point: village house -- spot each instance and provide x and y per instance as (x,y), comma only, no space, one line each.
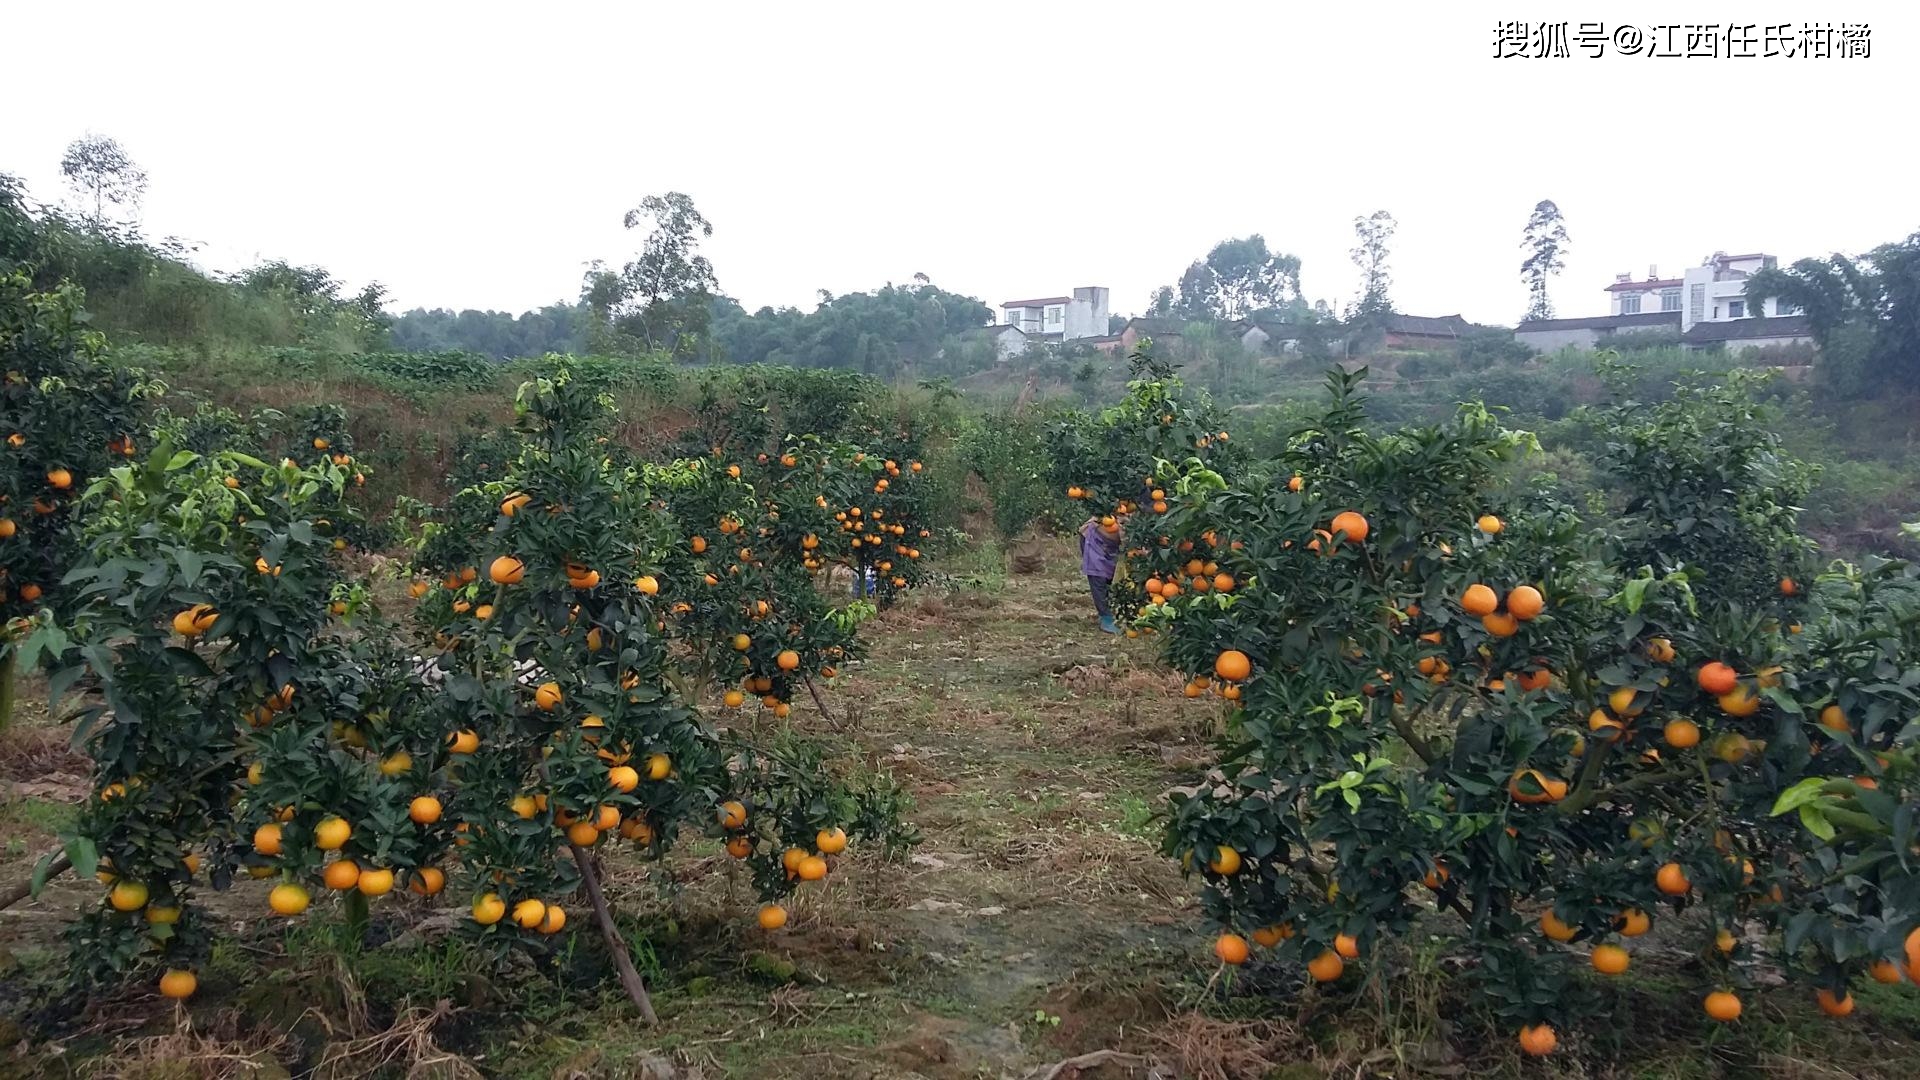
(1706,307)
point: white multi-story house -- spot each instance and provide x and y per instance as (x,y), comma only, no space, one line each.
(1714,291)
(1064,318)
(1706,305)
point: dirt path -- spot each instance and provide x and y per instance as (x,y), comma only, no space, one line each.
(1037,919)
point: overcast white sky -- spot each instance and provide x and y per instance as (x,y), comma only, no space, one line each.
(479,155)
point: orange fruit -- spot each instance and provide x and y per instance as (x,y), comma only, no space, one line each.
(507,570)
(1346,946)
(1225,861)
(1681,734)
(1740,701)
(1231,949)
(1489,524)
(830,841)
(424,810)
(463,742)
(1352,523)
(811,868)
(1525,603)
(1672,880)
(1787,588)
(740,846)
(1834,1006)
(659,766)
(178,984)
(1479,600)
(1538,1040)
(266,839)
(1722,1005)
(1633,922)
(341,874)
(1500,625)
(488,909)
(1270,936)
(288,899)
(529,914)
(1552,927)
(788,660)
(1609,959)
(772,917)
(1833,719)
(127,896)
(1232,665)
(60,478)
(1717,678)
(555,920)
(375,882)
(1326,967)
(1295,483)
(733,815)
(582,834)
(1660,650)
(331,833)
(1884,971)
(547,696)
(427,881)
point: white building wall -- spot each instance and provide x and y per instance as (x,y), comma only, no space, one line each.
(1555,340)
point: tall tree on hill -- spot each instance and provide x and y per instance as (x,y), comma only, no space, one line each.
(1250,278)
(662,296)
(1863,312)
(1199,292)
(1162,304)
(102,175)
(1375,233)
(1545,241)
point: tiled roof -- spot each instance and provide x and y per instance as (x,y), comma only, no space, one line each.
(1748,329)
(1430,325)
(1602,322)
(1643,286)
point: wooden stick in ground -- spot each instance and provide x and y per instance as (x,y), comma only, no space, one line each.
(818,703)
(13,894)
(622,962)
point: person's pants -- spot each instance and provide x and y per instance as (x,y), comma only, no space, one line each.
(1100,586)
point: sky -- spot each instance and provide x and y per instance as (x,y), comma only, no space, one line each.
(479,155)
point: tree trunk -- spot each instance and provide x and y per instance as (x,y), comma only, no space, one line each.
(9,668)
(622,961)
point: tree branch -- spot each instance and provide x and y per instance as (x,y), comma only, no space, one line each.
(15,893)
(622,962)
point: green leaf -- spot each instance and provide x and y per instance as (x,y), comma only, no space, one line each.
(1816,824)
(181,460)
(1800,794)
(83,855)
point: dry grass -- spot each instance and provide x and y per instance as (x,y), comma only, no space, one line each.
(1204,1048)
(223,1052)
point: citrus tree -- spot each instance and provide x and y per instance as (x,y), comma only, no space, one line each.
(66,414)
(1106,465)
(560,718)
(205,604)
(1449,693)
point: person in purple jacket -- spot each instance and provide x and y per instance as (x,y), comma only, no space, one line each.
(1099,553)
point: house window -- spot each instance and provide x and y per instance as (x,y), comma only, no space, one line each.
(1669,299)
(1736,309)
(1053,314)
(1630,304)
(1781,307)
(1697,302)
